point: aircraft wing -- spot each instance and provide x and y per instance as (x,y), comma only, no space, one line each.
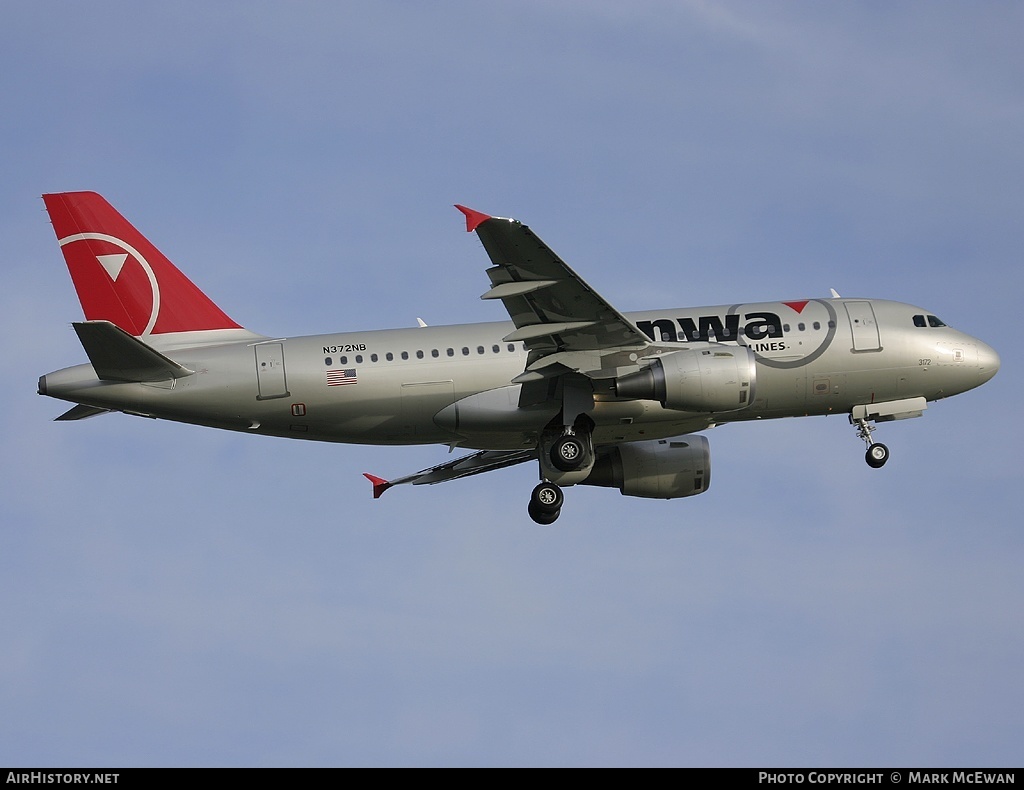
(465,466)
(553,309)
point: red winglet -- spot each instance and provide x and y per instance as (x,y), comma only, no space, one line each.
(380,485)
(473,218)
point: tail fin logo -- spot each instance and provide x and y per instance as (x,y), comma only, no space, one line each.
(121,277)
(113,264)
(132,291)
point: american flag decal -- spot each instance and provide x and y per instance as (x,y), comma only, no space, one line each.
(335,378)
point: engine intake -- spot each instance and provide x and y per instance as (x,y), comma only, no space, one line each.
(712,378)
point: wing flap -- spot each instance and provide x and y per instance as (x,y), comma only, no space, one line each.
(553,308)
(534,331)
(506,290)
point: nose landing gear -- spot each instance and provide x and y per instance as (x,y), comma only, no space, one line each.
(877,453)
(863,415)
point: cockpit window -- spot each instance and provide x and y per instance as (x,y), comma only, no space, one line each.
(919,320)
(933,321)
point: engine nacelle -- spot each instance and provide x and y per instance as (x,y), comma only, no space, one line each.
(710,378)
(660,469)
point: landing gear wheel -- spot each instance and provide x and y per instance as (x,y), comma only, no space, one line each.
(877,455)
(545,503)
(568,453)
(546,498)
(543,519)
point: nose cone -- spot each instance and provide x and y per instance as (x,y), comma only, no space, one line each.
(988,362)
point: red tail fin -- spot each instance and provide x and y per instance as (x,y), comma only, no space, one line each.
(120,276)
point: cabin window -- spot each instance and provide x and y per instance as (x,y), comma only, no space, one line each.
(465,351)
(479,349)
(451,352)
(405,355)
(511,347)
(327,361)
(389,356)
(435,353)
(801,327)
(816,325)
(785,327)
(373,357)
(359,358)
(419,355)
(495,349)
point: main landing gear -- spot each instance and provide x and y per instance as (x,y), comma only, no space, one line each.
(877,453)
(568,452)
(545,503)
(565,460)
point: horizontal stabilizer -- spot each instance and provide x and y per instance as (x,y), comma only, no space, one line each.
(80,412)
(117,356)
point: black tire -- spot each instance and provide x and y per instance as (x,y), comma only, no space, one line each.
(546,499)
(568,453)
(544,519)
(877,455)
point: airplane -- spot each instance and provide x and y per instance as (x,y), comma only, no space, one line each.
(592,395)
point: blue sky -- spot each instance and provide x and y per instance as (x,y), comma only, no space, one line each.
(179,596)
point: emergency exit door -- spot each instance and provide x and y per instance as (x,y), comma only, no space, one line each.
(270,374)
(864,326)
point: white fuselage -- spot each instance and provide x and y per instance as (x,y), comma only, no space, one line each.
(398,386)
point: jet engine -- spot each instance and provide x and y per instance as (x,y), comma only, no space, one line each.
(660,469)
(711,378)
